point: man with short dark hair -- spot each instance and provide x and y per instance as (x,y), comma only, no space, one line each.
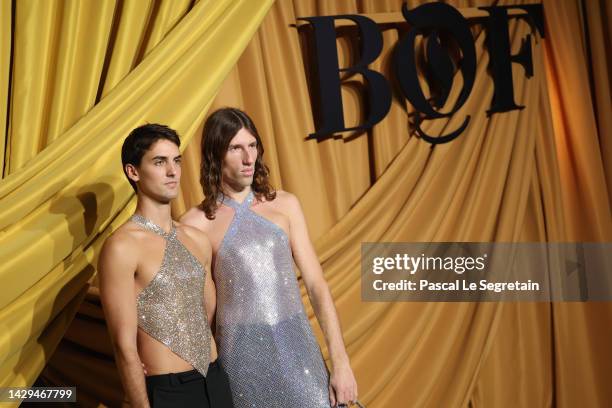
(156,289)
(265,340)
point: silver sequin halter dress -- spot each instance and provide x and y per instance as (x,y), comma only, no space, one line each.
(265,341)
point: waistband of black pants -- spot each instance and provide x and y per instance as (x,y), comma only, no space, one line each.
(179,378)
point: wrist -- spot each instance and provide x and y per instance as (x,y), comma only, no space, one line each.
(339,361)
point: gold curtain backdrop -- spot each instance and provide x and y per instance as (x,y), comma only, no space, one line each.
(77,76)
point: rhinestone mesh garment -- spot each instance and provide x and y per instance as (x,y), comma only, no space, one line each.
(265,341)
(171,307)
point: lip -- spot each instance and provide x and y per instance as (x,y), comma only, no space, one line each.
(248,172)
(172,183)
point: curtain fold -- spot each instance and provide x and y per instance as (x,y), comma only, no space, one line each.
(538,174)
(584,194)
(575,127)
(6,40)
(599,35)
(57,66)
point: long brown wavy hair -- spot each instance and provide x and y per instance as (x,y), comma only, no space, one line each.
(219,129)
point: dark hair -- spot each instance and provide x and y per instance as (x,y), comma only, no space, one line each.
(140,140)
(219,129)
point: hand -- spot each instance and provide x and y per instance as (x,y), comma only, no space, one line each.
(342,386)
(144,369)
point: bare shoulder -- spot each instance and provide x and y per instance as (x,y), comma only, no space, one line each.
(195,217)
(192,232)
(121,249)
(122,239)
(197,236)
(286,202)
(191,216)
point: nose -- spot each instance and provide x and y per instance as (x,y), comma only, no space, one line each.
(248,157)
(171,169)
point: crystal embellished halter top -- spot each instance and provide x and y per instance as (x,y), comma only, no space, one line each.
(171,307)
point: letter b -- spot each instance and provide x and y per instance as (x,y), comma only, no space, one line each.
(379,93)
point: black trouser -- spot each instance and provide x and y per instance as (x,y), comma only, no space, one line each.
(190,389)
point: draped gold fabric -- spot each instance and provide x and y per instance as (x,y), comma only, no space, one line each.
(599,39)
(539,174)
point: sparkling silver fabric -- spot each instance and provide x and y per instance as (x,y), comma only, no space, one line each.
(265,341)
(171,307)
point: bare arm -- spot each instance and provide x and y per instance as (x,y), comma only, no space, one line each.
(117,266)
(342,383)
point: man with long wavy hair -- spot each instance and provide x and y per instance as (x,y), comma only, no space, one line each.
(265,340)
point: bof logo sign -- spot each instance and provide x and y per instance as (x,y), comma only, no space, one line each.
(441,25)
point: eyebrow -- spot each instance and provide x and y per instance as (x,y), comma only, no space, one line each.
(180,156)
(240,144)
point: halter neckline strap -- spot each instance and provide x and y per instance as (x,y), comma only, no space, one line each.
(246,203)
(151,226)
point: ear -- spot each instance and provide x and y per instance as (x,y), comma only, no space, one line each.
(132,172)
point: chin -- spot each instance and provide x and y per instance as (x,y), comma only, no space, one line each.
(167,198)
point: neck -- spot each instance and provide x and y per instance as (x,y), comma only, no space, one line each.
(158,213)
(236,193)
